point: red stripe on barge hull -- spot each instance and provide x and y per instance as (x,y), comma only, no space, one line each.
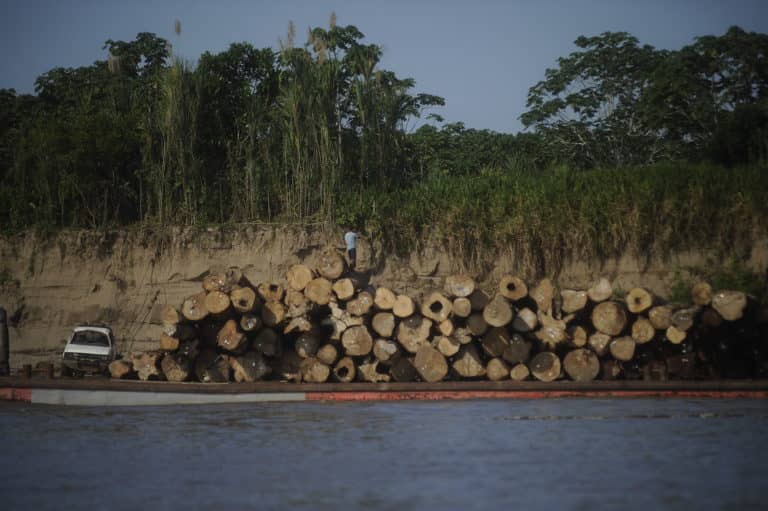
(511,394)
(12,394)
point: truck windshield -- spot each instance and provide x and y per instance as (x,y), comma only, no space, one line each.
(90,339)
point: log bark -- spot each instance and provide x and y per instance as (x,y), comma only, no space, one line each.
(272,313)
(581,365)
(730,304)
(512,288)
(319,291)
(497,370)
(477,324)
(623,348)
(384,299)
(250,322)
(267,342)
(609,318)
(119,369)
(146,365)
(600,291)
(230,337)
(642,330)
(383,323)
(330,265)
(661,316)
(430,364)
(498,312)
(361,304)
(386,350)
(436,307)
(545,366)
(403,306)
(357,341)
(675,335)
(344,371)
(412,333)
(194,308)
(369,371)
(298,276)
(314,371)
(344,289)
(525,321)
(518,351)
(495,341)
(519,372)
(403,370)
(448,346)
(701,293)
(459,286)
(478,300)
(176,367)
(168,343)
(300,324)
(327,354)
(461,307)
(307,344)
(639,300)
(599,343)
(578,336)
(543,294)
(573,300)
(552,331)
(249,368)
(243,299)
(210,367)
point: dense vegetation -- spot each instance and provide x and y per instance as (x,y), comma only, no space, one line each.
(627,145)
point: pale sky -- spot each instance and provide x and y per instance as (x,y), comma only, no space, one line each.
(482,56)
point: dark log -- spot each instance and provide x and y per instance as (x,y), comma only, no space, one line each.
(525,321)
(610,369)
(518,351)
(545,366)
(267,342)
(250,322)
(403,370)
(495,341)
(249,367)
(307,344)
(176,367)
(211,367)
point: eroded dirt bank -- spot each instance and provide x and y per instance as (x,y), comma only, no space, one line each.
(49,284)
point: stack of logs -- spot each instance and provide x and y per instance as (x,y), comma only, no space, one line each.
(324,324)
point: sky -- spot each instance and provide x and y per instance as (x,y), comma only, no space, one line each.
(482,56)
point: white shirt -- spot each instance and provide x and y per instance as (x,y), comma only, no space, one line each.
(349,239)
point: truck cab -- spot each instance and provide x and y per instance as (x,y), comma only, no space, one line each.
(89,349)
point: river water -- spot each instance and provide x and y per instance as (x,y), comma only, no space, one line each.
(517,454)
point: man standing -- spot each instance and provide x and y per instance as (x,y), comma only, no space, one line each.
(350,239)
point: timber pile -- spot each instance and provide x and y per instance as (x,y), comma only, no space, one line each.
(321,324)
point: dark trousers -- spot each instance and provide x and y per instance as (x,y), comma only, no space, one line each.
(351,254)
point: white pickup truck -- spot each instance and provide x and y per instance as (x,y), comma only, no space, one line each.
(89,349)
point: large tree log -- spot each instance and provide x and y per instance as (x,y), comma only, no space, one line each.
(298,276)
(519,372)
(267,342)
(314,371)
(543,294)
(639,300)
(461,307)
(448,346)
(384,299)
(623,348)
(642,330)
(217,303)
(498,312)
(467,363)
(357,341)
(730,304)
(369,371)
(661,316)
(600,291)
(146,365)
(701,293)
(581,365)
(495,341)
(430,364)
(120,368)
(210,367)
(327,354)
(412,333)
(478,300)
(249,367)
(230,337)
(525,321)
(599,343)
(243,299)
(573,300)
(497,370)
(403,306)
(512,288)
(189,348)
(344,370)
(518,351)
(386,350)
(330,264)
(168,343)
(194,308)
(361,304)
(176,367)
(609,318)
(436,307)
(477,324)
(250,322)
(403,370)
(461,285)
(344,289)
(545,366)
(552,331)
(319,291)
(307,344)
(272,313)
(383,323)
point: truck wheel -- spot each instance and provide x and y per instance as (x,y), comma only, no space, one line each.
(65,372)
